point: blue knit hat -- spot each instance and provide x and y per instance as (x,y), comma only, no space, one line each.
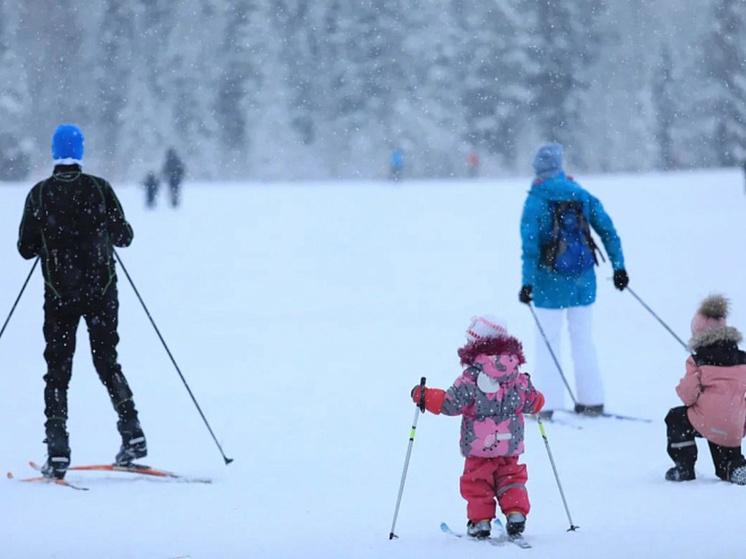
(67,144)
(548,161)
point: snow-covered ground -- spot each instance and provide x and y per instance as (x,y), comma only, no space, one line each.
(302,315)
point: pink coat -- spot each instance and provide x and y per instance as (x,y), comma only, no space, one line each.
(715,398)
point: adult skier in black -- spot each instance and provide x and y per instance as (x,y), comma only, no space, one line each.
(173,173)
(72,221)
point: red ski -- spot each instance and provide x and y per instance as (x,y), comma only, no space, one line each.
(140,469)
(42,479)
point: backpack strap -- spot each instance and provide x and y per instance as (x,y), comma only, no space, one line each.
(586,228)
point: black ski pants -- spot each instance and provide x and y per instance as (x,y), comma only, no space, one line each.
(61,319)
(682,446)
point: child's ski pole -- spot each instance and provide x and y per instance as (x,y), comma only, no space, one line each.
(420,409)
(572,527)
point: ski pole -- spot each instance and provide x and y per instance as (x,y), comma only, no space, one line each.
(656,317)
(551,351)
(214,438)
(420,409)
(23,288)
(572,527)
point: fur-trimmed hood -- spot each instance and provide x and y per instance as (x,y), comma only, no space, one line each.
(722,334)
(491,346)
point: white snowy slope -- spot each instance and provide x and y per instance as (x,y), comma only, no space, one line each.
(301,315)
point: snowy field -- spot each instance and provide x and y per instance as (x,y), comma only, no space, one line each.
(302,315)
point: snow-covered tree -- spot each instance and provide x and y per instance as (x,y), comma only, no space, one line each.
(299,22)
(726,63)
(365,78)
(564,46)
(496,60)
(146,130)
(328,88)
(114,70)
(60,84)
(428,111)
(15,143)
(238,78)
(666,110)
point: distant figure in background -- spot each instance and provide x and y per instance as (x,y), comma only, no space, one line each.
(72,221)
(173,173)
(559,256)
(712,391)
(397,164)
(151,184)
(472,163)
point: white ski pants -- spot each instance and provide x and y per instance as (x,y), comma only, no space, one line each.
(588,389)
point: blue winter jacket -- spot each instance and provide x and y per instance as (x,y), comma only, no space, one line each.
(551,289)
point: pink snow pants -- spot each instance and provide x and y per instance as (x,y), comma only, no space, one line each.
(485,479)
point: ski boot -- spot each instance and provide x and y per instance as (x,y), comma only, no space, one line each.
(516,523)
(680,472)
(480,529)
(590,411)
(738,475)
(134,445)
(58,450)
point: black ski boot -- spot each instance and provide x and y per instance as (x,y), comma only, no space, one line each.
(590,411)
(480,530)
(134,445)
(516,524)
(680,472)
(58,450)
(738,475)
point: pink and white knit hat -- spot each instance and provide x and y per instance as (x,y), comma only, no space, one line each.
(487,326)
(712,313)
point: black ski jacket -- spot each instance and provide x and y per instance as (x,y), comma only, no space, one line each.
(73,221)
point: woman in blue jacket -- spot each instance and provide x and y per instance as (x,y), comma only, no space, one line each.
(557,293)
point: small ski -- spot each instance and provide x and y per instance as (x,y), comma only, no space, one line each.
(493,540)
(501,539)
(42,479)
(626,417)
(519,540)
(609,415)
(133,468)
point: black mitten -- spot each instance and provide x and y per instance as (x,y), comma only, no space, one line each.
(525,296)
(621,279)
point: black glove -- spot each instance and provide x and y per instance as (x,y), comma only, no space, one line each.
(621,279)
(525,295)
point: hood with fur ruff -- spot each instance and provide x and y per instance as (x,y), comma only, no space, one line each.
(721,334)
(491,346)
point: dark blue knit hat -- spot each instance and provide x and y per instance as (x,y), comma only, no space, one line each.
(548,161)
(67,144)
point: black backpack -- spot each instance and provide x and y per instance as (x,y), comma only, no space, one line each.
(571,250)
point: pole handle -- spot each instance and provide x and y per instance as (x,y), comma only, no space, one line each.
(421,403)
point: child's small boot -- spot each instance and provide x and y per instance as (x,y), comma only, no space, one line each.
(480,529)
(738,475)
(516,523)
(681,472)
